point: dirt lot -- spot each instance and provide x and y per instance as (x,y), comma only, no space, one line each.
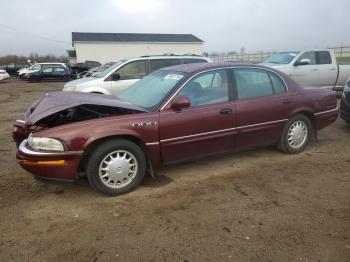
(260,205)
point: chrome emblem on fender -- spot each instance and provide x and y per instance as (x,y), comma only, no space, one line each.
(145,124)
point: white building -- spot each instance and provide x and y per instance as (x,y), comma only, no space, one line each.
(111,47)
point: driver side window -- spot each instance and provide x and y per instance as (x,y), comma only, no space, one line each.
(36,67)
(48,70)
(207,88)
(133,70)
(309,56)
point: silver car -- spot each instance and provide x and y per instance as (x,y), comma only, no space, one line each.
(124,73)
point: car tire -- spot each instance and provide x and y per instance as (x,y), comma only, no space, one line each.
(116,167)
(296,134)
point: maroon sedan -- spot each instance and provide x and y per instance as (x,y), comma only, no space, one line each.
(176,113)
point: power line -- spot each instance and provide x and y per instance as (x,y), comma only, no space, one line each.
(35,35)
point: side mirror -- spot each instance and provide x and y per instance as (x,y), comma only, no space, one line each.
(180,102)
(302,62)
(115,77)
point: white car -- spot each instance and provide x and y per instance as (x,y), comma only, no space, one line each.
(124,73)
(311,68)
(4,75)
(37,67)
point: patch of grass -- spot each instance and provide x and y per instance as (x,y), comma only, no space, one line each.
(343,59)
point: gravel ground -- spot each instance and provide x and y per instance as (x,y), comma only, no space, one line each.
(260,205)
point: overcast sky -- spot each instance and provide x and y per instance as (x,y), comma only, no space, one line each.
(45,26)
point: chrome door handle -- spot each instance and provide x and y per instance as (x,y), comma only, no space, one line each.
(332,69)
(315,69)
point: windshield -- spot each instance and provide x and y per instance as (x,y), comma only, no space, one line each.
(281,58)
(151,90)
(109,69)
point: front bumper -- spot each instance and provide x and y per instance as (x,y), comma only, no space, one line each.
(4,76)
(58,166)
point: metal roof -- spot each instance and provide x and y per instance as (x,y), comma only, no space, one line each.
(126,37)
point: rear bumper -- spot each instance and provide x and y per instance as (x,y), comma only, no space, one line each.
(57,166)
(325,118)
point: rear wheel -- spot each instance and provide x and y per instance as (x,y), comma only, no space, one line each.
(116,167)
(296,134)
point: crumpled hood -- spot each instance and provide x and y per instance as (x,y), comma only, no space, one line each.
(55,102)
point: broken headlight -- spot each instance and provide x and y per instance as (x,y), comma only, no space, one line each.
(45,143)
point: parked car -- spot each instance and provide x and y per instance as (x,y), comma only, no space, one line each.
(126,72)
(12,68)
(83,67)
(173,114)
(4,75)
(93,71)
(316,68)
(37,67)
(50,73)
(345,103)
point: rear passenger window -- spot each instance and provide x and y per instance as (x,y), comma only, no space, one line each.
(194,60)
(278,84)
(161,63)
(323,57)
(59,69)
(252,83)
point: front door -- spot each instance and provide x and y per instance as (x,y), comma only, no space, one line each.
(207,126)
(306,75)
(47,73)
(129,74)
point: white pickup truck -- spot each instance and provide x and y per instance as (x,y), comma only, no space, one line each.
(317,68)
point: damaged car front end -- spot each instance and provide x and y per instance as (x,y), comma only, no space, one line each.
(50,153)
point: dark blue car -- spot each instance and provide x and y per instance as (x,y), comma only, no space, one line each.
(50,73)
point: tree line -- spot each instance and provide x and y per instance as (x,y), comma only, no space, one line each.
(33,57)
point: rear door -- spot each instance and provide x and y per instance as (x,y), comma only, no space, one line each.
(207,126)
(263,106)
(59,72)
(327,71)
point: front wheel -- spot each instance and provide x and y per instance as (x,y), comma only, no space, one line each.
(296,134)
(116,167)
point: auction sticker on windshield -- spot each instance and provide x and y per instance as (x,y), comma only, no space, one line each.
(173,76)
